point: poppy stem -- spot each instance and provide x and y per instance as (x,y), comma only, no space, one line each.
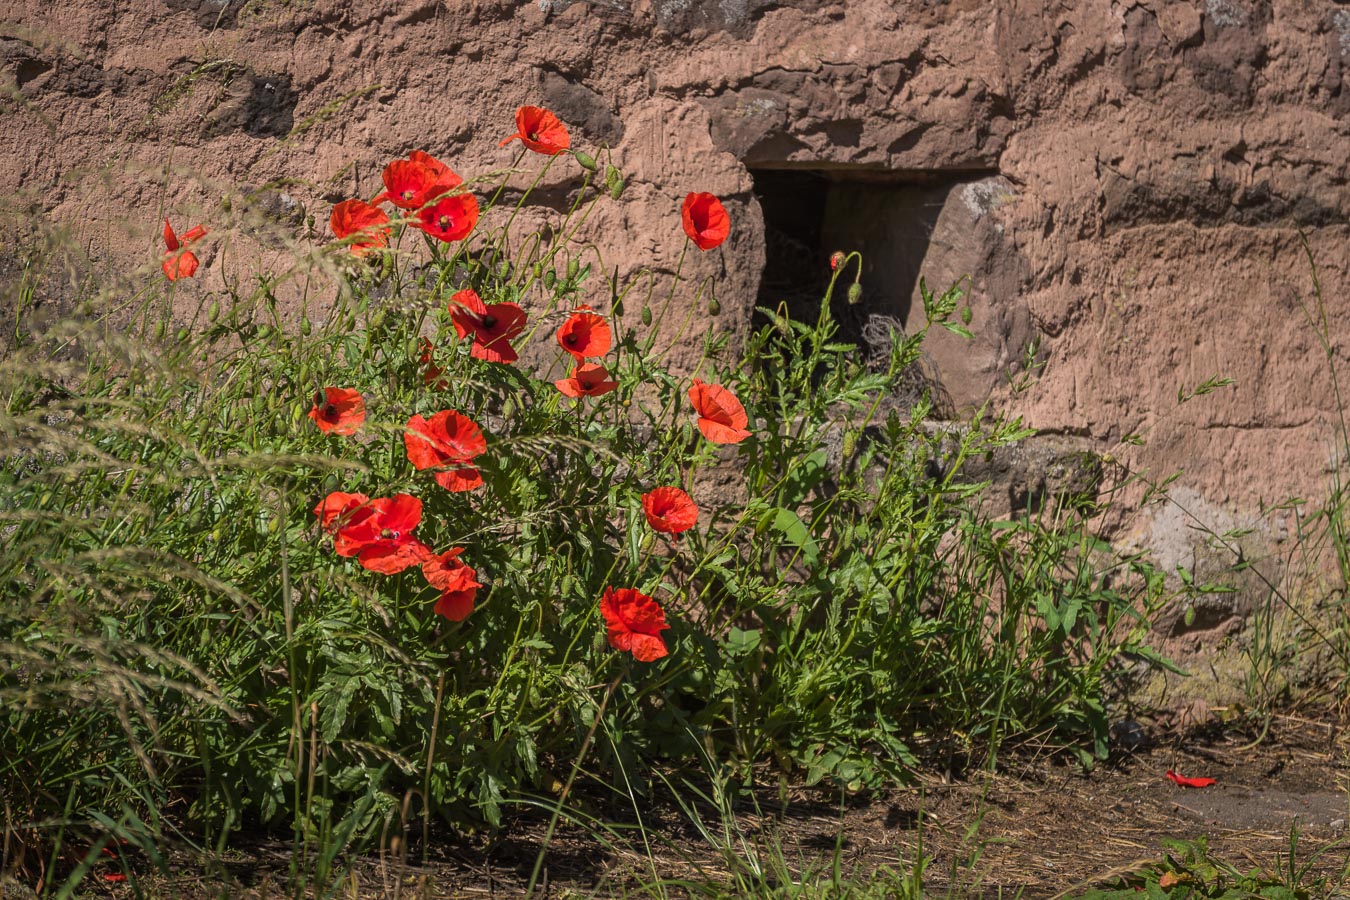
(660,317)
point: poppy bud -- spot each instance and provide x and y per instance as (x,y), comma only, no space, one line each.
(213,312)
(836,259)
(616,189)
(586,161)
(538,271)
(305,327)
(225,204)
(264,332)
(714,308)
(217,533)
(646,315)
(850,444)
(573,267)
(182,335)
(611,175)
(965,315)
(161,329)
(550,279)
(508,408)
(854,294)
(378,319)
(330,483)
(273,525)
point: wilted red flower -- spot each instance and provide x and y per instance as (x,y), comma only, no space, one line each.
(431,373)
(1183,781)
(721,417)
(540,131)
(357,217)
(588,380)
(669,510)
(413,182)
(584,334)
(456,582)
(448,441)
(634,622)
(450,218)
(492,325)
(339,410)
(705,220)
(180,262)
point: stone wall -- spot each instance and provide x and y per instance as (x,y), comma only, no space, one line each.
(1124,180)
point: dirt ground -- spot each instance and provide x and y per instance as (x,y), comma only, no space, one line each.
(1041,826)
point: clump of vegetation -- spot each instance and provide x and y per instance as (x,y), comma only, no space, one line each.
(349,572)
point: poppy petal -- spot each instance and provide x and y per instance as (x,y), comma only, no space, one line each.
(1183,781)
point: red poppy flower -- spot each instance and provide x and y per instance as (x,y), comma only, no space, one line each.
(1190,782)
(492,325)
(339,509)
(836,259)
(584,334)
(669,510)
(180,262)
(381,539)
(431,373)
(540,131)
(357,217)
(721,417)
(338,410)
(456,582)
(634,622)
(588,380)
(449,218)
(448,441)
(115,876)
(705,220)
(413,182)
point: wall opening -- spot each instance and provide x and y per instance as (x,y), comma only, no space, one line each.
(890,217)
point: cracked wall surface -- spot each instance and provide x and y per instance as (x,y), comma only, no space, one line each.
(1133,176)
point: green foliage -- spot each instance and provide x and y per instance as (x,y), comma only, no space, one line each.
(1189,871)
(175,619)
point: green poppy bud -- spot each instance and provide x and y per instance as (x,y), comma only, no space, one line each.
(273,525)
(646,315)
(854,294)
(213,312)
(160,330)
(508,408)
(538,271)
(305,327)
(183,335)
(550,279)
(616,189)
(586,161)
(264,332)
(850,444)
(714,307)
(966,315)
(573,267)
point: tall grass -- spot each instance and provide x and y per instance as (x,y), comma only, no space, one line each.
(182,653)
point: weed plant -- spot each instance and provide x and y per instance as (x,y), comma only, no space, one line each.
(183,654)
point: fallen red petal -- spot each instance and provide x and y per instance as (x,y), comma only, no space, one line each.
(1190,782)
